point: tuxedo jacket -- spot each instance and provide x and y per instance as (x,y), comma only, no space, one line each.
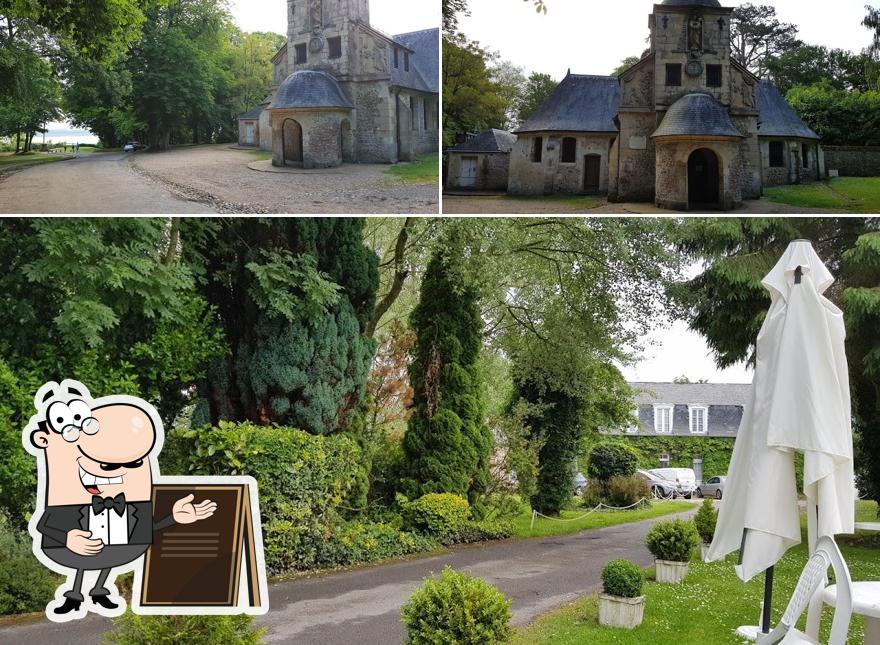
(57,521)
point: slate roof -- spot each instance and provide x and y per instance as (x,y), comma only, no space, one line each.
(697,114)
(253,115)
(691,393)
(578,104)
(691,3)
(488,141)
(424,73)
(777,118)
(310,89)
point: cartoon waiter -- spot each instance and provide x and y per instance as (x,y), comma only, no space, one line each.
(95,464)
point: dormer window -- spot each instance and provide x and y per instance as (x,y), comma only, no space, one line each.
(699,419)
(663,419)
(634,423)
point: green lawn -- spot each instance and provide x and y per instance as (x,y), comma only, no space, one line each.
(424,170)
(600,519)
(708,606)
(9,159)
(849,194)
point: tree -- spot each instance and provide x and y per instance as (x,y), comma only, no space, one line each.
(813,65)
(249,63)
(451,9)
(33,96)
(838,116)
(625,64)
(756,35)
(294,297)
(538,88)
(509,81)
(447,444)
(727,304)
(872,22)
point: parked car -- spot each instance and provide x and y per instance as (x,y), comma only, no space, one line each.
(660,487)
(684,479)
(128,147)
(580,483)
(712,488)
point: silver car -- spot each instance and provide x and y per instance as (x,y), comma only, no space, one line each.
(660,487)
(712,488)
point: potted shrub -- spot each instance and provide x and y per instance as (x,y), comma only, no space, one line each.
(704,522)
(621,603)
(672,544)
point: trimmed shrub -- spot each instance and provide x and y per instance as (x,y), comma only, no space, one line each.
(672,540)
(480,531)
(705,521)
(619,492)
(25,584)
(357,542)
(443,515)
(623,579)
(131,629)
(457,609)
(610,459)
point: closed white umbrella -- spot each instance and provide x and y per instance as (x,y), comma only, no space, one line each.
(799,402)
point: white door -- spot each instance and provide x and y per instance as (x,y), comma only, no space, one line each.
(468,175)
(249,134)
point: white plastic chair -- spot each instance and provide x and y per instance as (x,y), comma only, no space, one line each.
(808,593)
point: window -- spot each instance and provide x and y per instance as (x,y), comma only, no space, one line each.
(335,47)
(414,113)
(673,75)
(777,154)
(664,460)
(406,61)
(634,424)
(301,54)
(569,150)
(713,75)
(396,58)
(538,149)
(427,113)
(663,419)
(699,419)
(805,155)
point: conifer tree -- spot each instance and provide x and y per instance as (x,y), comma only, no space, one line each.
(447,444)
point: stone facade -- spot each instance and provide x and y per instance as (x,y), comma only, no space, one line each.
(853,161)
(383,106)
(492,170)
(553,174)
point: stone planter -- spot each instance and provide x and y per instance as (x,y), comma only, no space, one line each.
(626,613)
(704,551)
(671,572)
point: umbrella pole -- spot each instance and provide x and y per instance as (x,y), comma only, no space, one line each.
(768,600)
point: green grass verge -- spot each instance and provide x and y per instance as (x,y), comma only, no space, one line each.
(424,170)
(710,604)
(848,194)
(10,160)
(600,519)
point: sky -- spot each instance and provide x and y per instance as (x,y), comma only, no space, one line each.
(389,16)
(592,37)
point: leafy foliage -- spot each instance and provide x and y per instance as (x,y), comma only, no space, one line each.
(447,444)
(618,492)
(840,117)
(439,514)
(538,88)
(623,579)
(609,460)
(756,35)
(457,608)
(25,584)
(131,629)
(672,540)
(705,520)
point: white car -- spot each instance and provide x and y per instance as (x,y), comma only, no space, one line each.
(129,147)
(660,487)
(684,479)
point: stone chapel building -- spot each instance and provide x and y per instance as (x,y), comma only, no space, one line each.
(344,92)
(685,127)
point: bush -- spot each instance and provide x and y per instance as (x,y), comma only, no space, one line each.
(609,460)
(705,521)
(482,530)
(623,579)
(457,609)
(357,542)
(25,584)
(131,629)
(672,540)
(619,492)
(442,515)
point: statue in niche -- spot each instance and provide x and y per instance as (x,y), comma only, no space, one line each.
(695,33)
(316,16)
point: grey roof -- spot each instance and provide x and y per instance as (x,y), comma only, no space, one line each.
(253,115)
(691,393)
(578,104)
(310,89)
(777,118)
(424,70)
(691,3)
(488,141)
(697,114)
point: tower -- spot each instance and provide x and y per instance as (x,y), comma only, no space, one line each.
(321,34)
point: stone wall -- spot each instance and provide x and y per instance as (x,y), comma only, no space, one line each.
(376,121)
(853,161)
(243,126)
(413,118)
(793,171)
(749,164)
(493,170)
(321,131)
(672,173)
(551,175)
(266,130)
(635,164)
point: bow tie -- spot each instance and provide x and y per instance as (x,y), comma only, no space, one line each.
(100,504)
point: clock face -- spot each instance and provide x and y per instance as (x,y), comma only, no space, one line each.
(694,68)
(316,44)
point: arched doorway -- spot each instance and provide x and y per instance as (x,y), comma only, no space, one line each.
(346,142)
(292,134)
(703,178)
